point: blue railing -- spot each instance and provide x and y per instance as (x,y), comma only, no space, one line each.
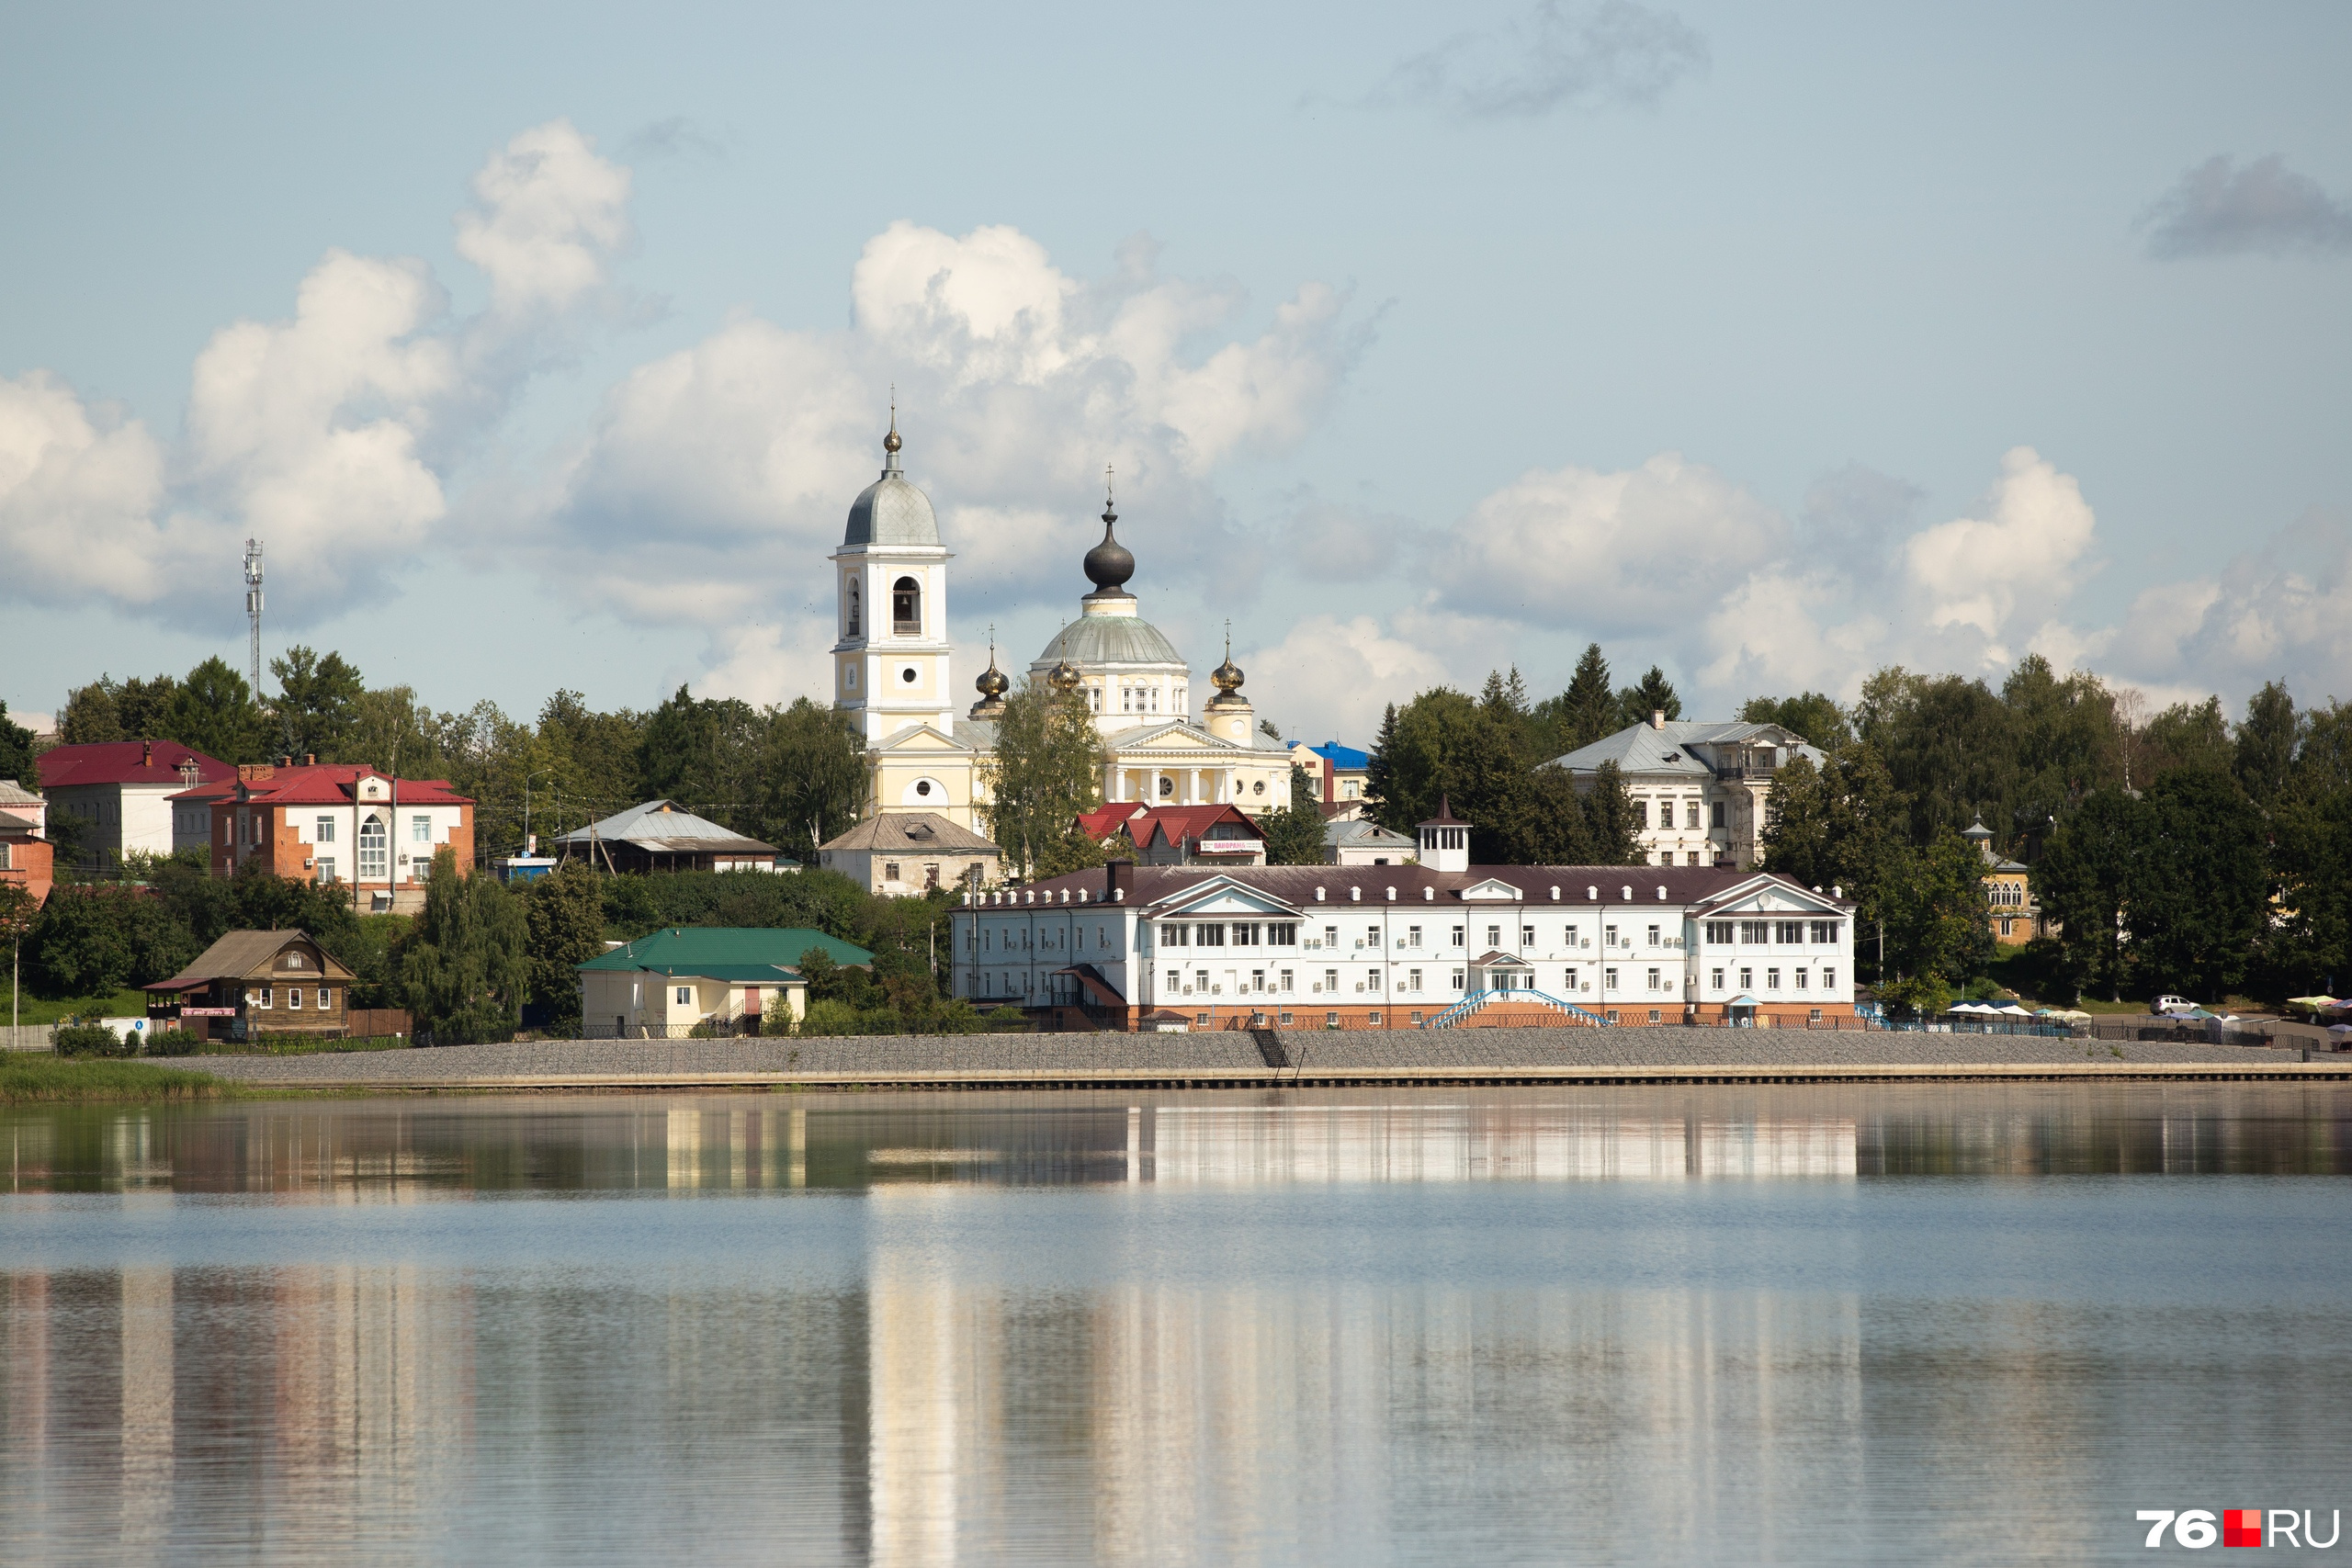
(1478,999)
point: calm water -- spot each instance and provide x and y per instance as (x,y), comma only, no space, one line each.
(1866,1326)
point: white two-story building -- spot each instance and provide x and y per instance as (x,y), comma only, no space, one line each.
(1398,947)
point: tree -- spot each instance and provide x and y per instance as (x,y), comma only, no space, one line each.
(1294,835)
(17,751)
(816,775)
(1379,780)
(1045,770)
(2188,735)
(2084,881)
(2198,893)
(705,753)
(17,913)
(1443,746)
(2264,761)
(1654,694)
(1937,937)
(215,713)
(318,703)
(1587,711)
(466,969)
(2064,737)
(564,912)
(107,709)
(1813,717)
(95,941)
(1838,825)
(592,759)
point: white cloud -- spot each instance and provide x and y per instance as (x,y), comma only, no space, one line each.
(1620,552)
(1331,677)
(2029,548)
(1016,384)
(1558,56)
(327,434)
(2273,613)
(78,500)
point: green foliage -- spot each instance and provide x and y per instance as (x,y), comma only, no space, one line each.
(1583,714)
(214,712)
(1294,835)
(170,1043)
(465,963)
(815,764)
(565,914)
(592,759)
(96,941)
(107,709)
(1047,768)
(1934,907)
(318,703)
(1813,716)
(17,751)
(1655,694)
(2084,881)
(83,1039)
(2188,736)
(1476,756)
(2264,755)
(31,1079)
(832,1018)
(1840,825)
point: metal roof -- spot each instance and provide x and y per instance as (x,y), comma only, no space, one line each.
(1666,749)
(662,825)
(890,511)
(1110,639)
(915,832)
(704,950)
(240,956)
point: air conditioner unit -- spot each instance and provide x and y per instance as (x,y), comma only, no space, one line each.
(1188,990)
(1316,988)
(308,865)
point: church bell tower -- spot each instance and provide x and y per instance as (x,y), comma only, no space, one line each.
(891,656)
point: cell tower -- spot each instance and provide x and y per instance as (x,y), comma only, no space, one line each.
(253,608)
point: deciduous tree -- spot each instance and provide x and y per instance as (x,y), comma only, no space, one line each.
(1045,770)
(466,968)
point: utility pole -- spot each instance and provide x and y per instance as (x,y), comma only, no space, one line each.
(253,610)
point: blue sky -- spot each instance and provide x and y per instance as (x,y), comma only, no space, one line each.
(548,348)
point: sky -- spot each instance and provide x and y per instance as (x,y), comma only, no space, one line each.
(546,346)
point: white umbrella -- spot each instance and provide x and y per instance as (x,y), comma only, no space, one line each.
(2011,1009)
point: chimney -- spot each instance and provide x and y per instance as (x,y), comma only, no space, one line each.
(1658,719)
(147,755)
(310,759)
(285,762)
(1115,874)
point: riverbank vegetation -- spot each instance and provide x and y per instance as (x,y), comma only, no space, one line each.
(28,1078)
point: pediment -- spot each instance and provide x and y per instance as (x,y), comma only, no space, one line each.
(1491,891)
(1224,897)
(918,738)
(1165,738)
(1770,895)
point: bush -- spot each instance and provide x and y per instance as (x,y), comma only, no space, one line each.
(171,1043)
(832,1018)
(93,1040)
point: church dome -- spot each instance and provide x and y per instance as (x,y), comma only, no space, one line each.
(1110,563)
(890,510)
(1094,640)
(1227,677)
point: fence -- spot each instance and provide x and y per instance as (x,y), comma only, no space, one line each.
(2180,1032)
(376,1023)
(26,1036)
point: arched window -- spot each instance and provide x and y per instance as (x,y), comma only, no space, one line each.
(854,617)
(374,863)
(906,607)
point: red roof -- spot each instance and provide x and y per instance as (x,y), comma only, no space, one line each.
(1171,825)
(321,784)
(125,762)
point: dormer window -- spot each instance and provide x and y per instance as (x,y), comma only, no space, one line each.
(906,607)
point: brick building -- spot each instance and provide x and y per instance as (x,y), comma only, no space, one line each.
(340,824)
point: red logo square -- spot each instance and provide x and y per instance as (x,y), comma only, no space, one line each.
(2241,1527)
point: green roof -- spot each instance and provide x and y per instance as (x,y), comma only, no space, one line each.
(726,952)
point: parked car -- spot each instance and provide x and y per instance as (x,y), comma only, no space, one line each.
(2164,1007)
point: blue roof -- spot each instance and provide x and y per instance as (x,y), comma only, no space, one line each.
(1342,757)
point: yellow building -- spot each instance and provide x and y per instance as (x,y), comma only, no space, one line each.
(2014,913)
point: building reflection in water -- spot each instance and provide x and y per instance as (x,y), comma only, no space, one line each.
(885,1375)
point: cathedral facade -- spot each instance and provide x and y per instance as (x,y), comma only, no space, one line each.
(893,675)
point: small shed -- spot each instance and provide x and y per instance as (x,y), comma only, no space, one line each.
(254,983)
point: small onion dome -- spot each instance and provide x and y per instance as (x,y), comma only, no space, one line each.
(1110,563)
(992,681)
(1227,677)
(1063,677)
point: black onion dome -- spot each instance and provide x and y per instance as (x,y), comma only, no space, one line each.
(1110,563)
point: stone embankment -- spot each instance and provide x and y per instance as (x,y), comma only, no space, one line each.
(1235,1059)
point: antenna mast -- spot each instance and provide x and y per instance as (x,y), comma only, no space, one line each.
(253,609)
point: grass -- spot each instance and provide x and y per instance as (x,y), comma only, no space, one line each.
(32,1079)
(299,1045)
(36,1009)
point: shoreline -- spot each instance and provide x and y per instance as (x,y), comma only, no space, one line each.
(1236,1060)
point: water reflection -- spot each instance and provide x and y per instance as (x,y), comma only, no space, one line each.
(364,1151)
(1705,1326)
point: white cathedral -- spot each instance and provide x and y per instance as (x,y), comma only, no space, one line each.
(892,673)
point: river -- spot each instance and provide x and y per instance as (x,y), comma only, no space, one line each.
(1816,1325)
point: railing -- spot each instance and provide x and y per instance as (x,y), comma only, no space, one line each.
(1477,1000)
